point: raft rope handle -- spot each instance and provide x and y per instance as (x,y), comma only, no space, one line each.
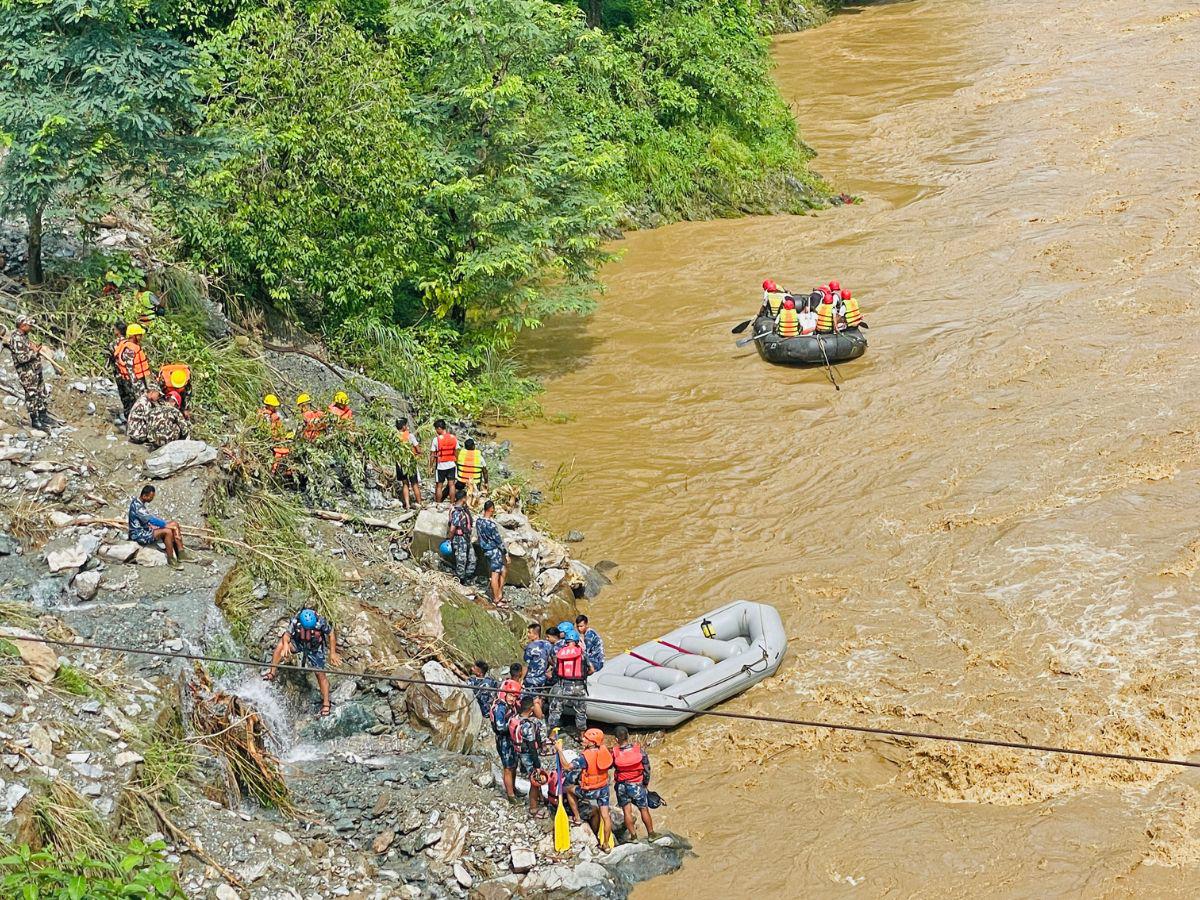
(629,704)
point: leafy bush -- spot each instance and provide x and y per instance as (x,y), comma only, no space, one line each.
(136,870)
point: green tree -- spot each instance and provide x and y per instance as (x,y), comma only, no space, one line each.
(521,183)
(91,98)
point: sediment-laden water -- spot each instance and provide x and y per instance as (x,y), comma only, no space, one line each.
(992,527)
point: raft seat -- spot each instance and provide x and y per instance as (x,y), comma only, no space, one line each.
(685,662)
(715,649)
(663,676)
(628,683)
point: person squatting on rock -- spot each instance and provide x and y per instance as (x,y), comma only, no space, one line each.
(593,766)
(569,679)
(632,766)
(491,542)
(148,530)
(154,421)
(461,525)
(27,360)
(309,635)
(531,741)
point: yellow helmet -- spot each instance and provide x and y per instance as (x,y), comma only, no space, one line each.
(303,398)
(135,328)
(270,400)
(179,378)
(341,397)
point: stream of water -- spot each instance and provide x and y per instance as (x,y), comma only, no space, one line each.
(991,528)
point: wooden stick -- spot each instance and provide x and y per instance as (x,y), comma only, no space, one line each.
(330,515)
(193,847)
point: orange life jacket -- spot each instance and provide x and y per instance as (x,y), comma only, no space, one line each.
(447,447)
(406,440)
(141,365)
(628,761)
(470,466)
(341,412)
(595,774)
(789,323)
(313,424)
(568,662)
(826,317)
(271,416)
(165,373)
(851,311)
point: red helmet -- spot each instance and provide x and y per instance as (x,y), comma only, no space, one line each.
(834,286)
(827,292)
(846,294)
(789,303)
(769,286)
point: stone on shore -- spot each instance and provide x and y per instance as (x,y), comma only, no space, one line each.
(42,659)
(450,713)
(122,552)
(430,529)
(86,584)
(178,455)
(150,557)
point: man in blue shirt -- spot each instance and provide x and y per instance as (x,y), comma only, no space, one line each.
(538,653)
(310,635)
(593,644)
(486,695)
(148,530)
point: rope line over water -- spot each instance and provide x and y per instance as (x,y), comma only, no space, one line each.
(629,704)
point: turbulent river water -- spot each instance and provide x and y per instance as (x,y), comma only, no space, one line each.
(991,529)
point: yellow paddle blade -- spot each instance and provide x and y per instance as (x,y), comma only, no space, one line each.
(562,829)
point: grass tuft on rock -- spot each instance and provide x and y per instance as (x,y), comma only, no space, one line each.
(474,634)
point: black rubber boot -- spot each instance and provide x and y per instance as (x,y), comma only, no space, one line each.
(35,420)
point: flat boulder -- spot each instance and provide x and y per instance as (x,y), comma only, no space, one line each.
(150,557)
(521,565)
(430,529)
(178,455)
(120,552)
(67,558)
(42,659)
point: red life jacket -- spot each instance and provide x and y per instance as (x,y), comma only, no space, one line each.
(447,448)
(628,761)
(595,775)
(514,732)
(568,662)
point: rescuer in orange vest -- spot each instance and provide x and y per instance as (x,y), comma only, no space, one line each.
(443,460)
(787,323)
(593,765)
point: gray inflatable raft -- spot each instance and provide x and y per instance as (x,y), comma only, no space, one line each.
(807,349)
(683,671)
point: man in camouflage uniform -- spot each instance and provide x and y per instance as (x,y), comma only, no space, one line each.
(27,358)
(154,422)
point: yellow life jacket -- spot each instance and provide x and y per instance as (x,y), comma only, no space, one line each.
(789,323)
(470,466)
(852,313)
(826,317)
(774,301)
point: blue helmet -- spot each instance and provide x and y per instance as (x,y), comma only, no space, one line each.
(564,627)
(570,632)
(308,618)
(446,549)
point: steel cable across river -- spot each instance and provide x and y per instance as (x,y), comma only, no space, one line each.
(991,526)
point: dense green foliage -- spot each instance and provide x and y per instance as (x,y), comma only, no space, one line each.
(416,180)
(90,93)
(135,871)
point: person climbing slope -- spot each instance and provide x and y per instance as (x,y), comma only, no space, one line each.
(312,637)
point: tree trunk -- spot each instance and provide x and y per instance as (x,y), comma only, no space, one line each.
(33,270)
(593,13)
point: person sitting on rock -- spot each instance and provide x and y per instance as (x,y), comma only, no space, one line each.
(502,711)
(148,530)
(593,644)
(593,766)
(538,653)
(633,781)
(153,421)
(309,635)
(485,685)
(491,542)
(530,740)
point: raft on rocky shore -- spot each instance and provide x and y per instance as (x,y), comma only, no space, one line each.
(807,349)
(666,681)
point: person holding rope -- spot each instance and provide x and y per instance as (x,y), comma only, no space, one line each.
(311,636)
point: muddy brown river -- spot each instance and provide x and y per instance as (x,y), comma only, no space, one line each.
(992,528)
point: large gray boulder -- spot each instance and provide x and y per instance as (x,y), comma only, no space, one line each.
(178,455)
(450,713)
(430,529)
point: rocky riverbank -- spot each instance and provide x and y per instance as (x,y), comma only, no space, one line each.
(394,793)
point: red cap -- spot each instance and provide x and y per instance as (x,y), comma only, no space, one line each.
(834,286)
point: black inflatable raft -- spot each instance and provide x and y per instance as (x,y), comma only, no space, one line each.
(807,349)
